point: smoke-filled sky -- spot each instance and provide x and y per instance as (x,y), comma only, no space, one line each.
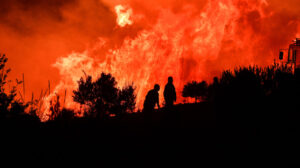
(34,33)
(190,40)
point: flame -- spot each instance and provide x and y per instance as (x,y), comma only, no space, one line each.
(193,44)
(71,69)
(123,15)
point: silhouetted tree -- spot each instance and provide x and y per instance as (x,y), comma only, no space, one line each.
(127,99)
(103,97)
(195,90)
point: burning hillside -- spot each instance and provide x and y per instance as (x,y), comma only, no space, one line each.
(145,42)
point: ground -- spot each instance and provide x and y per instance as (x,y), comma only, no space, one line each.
(187,134)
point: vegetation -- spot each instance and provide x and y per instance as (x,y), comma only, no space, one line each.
(256,97)
(195,90)
(103,98)
(9,105)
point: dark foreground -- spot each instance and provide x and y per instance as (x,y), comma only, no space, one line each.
(188,134)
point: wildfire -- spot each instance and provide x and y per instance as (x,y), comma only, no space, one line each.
(123,15)
(193,44)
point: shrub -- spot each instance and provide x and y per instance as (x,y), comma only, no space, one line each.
(103,97)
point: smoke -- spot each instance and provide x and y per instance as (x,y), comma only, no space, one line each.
(189,40)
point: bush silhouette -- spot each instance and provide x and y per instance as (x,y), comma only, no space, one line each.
(127,99)
(195,90)
(253,95)
(103,98)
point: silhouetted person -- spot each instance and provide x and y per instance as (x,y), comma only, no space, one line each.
(152,99)
(170,93)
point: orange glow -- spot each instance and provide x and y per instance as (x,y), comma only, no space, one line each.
(142,42)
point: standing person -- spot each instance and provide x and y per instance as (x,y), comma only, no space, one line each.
(152,99)
(170,93)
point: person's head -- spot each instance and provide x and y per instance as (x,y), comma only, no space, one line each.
(170,79)
(156,87)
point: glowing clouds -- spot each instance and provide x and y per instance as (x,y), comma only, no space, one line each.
(123,15)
